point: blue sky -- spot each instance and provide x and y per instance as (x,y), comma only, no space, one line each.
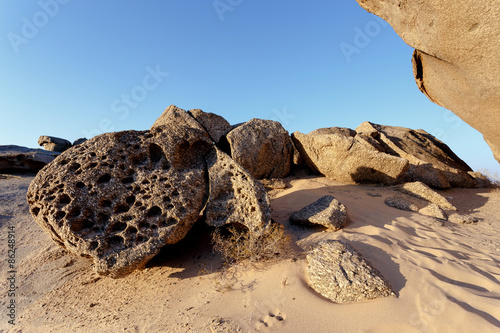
(79,68)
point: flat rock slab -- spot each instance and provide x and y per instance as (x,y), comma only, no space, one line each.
(22,159)
(340,273)
(422,191)
(401,202)
(119,197)
(326,211)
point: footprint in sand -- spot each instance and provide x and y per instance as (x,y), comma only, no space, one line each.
(272,319)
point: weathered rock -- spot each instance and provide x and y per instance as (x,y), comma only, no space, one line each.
(52,143)
(326,211)
(433,210)
(119,197)
(462,218)
(480,179)
(235,196)
(340,273)
(455,63)
(263,147)
(22,159)
(175,115)
(215,125)
(348,159)
(79,141)
(431,161)
(401,202)
(422,191)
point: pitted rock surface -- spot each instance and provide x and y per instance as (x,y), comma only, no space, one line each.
(215,125)
(340,273)
(235,196)
(119,197)
(263,147)
(326,211)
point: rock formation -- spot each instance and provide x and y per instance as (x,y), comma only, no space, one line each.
(433,210)
(341,155)
(118,198)
(401,202)
(235,197)
(340,273)
(326,211)
(263,147)
(22,159)
(431,161)
(51,143)
(455,62)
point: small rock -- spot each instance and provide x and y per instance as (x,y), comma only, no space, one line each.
(23,159)
(433,210)
(79,141)
(374,195)
(326,211)
(462,218)
(52,143)
(400,202)
(340,273)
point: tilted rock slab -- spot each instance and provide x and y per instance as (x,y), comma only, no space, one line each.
(326,211)
(433,210)
(235,196)
(401,202)
(431,161)
(263,147)
(340,156)
(340,273)
(422,191)
(119,197)
(455,63)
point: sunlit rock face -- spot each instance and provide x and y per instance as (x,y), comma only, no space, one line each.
(455,62)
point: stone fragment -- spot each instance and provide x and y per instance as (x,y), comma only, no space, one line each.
(215,125)
(340,156)
(433,210)
(422,191)
(431,161)
(274,183)
(52,143)
(340,273)
(481,180)
(235,196)
(455,63)
(175,115)
(462,218)
(22,159)
(401,202)
(326,211)
(263,147)
(119,197)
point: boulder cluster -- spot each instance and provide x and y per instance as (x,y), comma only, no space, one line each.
(120,197)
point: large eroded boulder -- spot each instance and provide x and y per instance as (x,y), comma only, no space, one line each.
(431,161)
(455,63)
(22,159)
(340,273)
(342,155)
(119,197)
(235,196)
(263,147)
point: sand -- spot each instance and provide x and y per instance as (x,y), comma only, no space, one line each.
(446,276)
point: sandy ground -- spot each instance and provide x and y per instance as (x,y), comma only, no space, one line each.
(446,276)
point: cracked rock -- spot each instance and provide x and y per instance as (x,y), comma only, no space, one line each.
(326,211)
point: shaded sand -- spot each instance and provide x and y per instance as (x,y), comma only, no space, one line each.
(446,276)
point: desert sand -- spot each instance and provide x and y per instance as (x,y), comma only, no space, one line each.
(446,276)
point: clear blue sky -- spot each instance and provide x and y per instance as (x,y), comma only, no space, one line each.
(78,68)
